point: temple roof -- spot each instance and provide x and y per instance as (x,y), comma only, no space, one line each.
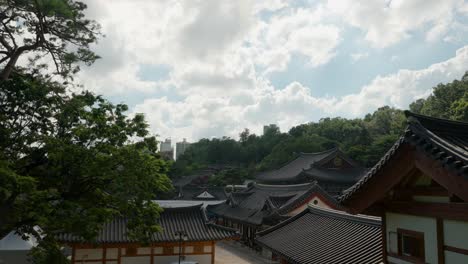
(261,201)
(319,235)
(316,167)
(201,193)
(295,167)
(443,140)
(190,219)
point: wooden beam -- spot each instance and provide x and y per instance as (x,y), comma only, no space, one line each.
(424,191)
(451,211)
(440,241)
(399,166)
(453,182)
(457,250)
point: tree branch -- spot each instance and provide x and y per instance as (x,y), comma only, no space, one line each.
(10,34)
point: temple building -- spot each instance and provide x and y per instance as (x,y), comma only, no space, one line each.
(186,235)
(323,236)
(331,169)
(193,193)
(261,206)
(420,190)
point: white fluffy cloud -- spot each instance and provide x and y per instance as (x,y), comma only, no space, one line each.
(388,22)
(220,56)
(197,116)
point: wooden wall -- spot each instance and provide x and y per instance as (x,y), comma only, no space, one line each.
(132,253)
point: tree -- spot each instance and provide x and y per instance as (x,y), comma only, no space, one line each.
(446,100)
(57,28)
(67,164)
(459,108)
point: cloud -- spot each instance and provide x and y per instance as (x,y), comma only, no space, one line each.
(359,56)
(403,87)
(300,31)
(199,116)
(222,54)
(388,22)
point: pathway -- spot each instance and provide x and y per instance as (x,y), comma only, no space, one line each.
(231,252)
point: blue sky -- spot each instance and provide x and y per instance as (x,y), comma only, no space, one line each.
(212,68)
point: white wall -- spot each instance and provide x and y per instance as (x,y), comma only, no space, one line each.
(202,259)
(136,260)
(455,235)
(86,254)
(426,225)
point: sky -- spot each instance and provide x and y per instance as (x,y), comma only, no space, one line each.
(203,69)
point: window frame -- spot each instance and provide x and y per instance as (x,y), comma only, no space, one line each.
(415,234)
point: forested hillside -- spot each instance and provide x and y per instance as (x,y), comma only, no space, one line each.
(364,139)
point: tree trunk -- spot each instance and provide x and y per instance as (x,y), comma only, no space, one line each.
(10,66)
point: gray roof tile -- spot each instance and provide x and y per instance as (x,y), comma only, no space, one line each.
(320,235)
(190,219)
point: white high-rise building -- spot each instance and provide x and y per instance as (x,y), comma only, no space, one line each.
(181,147)
(166,149)
(166,145)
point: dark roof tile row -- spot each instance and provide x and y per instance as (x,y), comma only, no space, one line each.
(325,236)
(190,219)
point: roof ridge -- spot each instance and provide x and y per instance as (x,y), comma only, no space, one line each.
(364,219)
(281,224)
(183,208)
(412,117)
(299,156)
(320,152)
(283,185)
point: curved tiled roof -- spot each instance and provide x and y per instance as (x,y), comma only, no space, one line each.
(261,201)
(443,140)
(325,236)
(190,219)
(345,176)
(295,167)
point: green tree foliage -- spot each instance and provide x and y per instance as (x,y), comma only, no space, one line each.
(67,164)
(229,176)
(448,101)
(57,28)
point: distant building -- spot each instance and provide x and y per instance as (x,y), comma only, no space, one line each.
(261,206)
(181,147)
(331,169)
(185,235)
(166,149)
(14,249)
(270,127)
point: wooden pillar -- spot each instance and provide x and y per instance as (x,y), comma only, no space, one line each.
(440,241)
(152,255)
(384,238)
(213,246)
(119,255)
(73,254)
(104,253)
